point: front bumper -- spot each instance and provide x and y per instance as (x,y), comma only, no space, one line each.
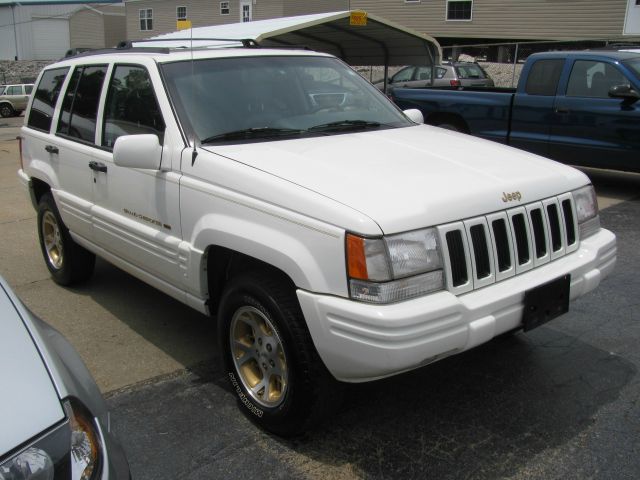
(361,342)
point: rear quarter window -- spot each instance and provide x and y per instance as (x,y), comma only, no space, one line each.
(544,76)
(470,71)
(45,98)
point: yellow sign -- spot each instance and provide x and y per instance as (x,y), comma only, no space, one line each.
(358,18)
(183,24)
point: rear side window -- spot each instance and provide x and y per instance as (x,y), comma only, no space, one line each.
(45,98)
(14,90)
(544,76)
(131,106)
(80,104)
(403,75)
(470,71)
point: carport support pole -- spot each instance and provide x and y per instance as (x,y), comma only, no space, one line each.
(15,32)
(386,75)
(515,62)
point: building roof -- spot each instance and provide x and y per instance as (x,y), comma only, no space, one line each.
(52,2)
(376,42)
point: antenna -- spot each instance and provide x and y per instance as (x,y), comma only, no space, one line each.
(194,153)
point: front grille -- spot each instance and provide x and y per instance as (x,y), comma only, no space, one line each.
(502,244)
(518,239)
(522,238)
(456,255)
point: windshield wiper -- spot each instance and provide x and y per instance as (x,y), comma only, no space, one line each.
(253,132)
(344,125)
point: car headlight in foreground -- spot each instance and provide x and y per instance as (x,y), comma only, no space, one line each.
(395,267)
(55,423)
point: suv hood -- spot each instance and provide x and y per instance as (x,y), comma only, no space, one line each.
(409,178)
(29,403)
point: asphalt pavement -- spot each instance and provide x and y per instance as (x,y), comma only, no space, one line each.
(562,401)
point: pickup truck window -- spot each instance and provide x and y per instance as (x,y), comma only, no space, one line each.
(45,98)
(544,76)
(275,95)
(80,104)
(593,79)
(131,106)
(634,66)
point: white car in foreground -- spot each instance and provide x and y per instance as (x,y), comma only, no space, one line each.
(332,236)
(55,423)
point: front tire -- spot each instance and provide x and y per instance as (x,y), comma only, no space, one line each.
(67,261)
(269,357)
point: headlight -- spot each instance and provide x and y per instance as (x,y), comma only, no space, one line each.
(85,442)
(586,210)
(68,451)
(394,268)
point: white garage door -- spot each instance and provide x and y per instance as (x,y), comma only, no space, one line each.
(50,38)
(632,20)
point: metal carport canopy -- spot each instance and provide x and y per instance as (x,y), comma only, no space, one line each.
(378,42)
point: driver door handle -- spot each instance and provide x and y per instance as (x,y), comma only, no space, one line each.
(52,149)
(562,110)
(98,167)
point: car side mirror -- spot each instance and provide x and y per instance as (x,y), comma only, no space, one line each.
(138,151)
(414,115)
(624,91)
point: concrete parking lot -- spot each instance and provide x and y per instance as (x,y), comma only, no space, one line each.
(562,401)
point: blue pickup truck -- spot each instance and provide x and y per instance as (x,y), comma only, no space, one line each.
(581,108)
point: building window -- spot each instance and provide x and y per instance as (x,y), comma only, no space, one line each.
(146,19)
(181,13)
(224,8)
(459,9)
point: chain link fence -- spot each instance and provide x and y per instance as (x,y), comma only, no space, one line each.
(504,61)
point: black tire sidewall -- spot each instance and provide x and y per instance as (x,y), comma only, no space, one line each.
(286,418)
(6,111)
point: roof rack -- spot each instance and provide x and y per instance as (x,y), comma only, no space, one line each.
(128,46)
(246,42)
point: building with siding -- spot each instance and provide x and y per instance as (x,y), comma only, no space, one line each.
(46,29)
(450,21)
(97,27)
(484,21)
(147,18)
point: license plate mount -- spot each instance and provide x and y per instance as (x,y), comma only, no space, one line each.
(546,302)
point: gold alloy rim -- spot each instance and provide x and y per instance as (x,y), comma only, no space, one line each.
(258,356)
(52,238)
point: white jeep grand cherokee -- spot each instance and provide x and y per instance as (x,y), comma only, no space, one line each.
(330,235)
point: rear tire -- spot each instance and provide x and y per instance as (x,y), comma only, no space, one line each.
(67,261)
(6,110)
(269,358)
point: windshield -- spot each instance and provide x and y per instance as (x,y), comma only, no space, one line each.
(634,66)
(246,98)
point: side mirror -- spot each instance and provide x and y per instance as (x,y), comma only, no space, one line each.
(138,151)
(414,115)
(624,91)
